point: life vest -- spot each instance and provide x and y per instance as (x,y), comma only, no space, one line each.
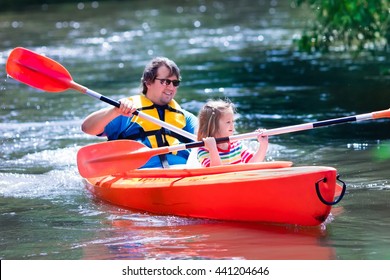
(158,136)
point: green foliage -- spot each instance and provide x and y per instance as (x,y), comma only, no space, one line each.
(347,25)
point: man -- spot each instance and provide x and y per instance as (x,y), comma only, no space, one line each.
(159,82)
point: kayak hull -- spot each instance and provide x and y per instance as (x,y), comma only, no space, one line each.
(285,195)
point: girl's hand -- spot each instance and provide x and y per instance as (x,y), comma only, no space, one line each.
(211,146)
(259,155)
(210,143)
(260,137)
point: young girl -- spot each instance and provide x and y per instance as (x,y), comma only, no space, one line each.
(216,119)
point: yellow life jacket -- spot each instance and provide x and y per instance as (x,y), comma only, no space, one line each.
(158,136)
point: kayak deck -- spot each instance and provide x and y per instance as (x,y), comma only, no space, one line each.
(198,171)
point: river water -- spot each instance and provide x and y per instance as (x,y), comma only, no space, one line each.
(236,49)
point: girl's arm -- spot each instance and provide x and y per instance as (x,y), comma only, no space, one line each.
(259,155)
(211,145)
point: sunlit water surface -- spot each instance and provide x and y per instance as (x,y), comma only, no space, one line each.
(240,50)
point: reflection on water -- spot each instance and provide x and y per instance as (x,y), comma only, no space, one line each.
(240,50)
(132,237)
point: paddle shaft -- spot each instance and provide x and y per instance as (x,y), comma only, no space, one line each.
(117,104)
(123,155)
(138,156)
(283,130)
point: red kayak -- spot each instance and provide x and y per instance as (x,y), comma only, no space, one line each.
(270,192)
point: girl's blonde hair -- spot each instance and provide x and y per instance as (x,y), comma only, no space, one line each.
(210,115)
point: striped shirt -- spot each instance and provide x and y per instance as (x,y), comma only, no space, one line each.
(235,153)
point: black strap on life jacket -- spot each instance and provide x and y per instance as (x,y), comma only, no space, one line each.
(160,134)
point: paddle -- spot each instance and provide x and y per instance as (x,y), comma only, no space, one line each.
(47,74)
(123,155)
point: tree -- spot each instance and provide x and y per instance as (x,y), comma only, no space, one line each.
(345,25)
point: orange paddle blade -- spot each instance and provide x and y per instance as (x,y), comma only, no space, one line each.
(37,70)
(114,157)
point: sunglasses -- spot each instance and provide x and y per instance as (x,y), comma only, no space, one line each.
(167,82)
